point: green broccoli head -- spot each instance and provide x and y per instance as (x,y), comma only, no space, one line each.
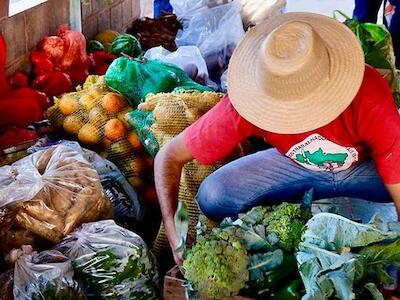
(287,221)
(217,267)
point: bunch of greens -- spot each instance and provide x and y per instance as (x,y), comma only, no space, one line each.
(343,259)
(377,46)
(254,253)
(111,262)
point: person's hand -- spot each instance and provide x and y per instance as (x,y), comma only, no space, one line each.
(389,9)
(178,257)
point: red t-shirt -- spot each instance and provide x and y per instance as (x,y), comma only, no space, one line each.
(369,127)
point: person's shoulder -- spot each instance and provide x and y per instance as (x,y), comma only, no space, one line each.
(374,85)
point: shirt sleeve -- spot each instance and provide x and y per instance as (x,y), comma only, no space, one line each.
(379,126)
(216,134)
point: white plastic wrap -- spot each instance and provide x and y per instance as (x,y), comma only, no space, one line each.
(215,31)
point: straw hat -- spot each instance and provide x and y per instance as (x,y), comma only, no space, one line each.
(295,72)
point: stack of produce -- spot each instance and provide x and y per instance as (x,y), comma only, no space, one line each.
(20,106)
(158,120)
(254,254)
(96,117)
(105,38)
(100,260)
(156,32)
(265,252)
(45,196)
(136,78)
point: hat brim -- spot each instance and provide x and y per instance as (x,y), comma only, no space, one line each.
(320,106)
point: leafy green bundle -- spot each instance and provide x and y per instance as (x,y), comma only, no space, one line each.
(377,46)
(343,259)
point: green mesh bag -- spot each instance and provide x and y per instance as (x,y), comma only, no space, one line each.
(141,122)
(136,78)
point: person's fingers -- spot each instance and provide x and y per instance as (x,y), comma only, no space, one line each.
(389,9)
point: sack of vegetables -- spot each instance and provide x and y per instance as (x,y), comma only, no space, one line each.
(45,275)
(48,194)
(96,117)
(136,78)
(111,262)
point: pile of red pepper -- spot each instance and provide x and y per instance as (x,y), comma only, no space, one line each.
(20,105)
(60,62)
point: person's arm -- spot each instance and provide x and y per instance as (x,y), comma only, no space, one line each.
(209,139)
(379,126)
(167,171)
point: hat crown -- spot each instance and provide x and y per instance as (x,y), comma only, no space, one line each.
(293,55)
(290,41)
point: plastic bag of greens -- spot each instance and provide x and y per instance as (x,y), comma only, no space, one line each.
(136,78)
(377,45)
(45,276)
(111,262)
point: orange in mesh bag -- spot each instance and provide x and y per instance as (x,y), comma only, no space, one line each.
(49,194)
(96,117)
(172,113)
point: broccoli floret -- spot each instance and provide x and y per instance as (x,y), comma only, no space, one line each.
(217,267)
(287,221)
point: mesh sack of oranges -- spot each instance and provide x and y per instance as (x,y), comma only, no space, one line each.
(95,115)
(171,114)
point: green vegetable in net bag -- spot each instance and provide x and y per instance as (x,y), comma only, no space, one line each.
(136,78)
(377,45)
(111,262)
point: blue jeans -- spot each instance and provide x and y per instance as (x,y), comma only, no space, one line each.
(268,177)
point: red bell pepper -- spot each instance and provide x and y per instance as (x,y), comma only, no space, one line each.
(18,79)
(21,112)
(100,61)
(13,136)
(41,62)
(4,87)
(53,83)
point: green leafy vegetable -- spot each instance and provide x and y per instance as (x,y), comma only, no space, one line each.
(333,232)
(260,263)
(375,293)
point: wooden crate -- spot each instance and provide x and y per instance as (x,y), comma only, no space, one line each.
(173,289)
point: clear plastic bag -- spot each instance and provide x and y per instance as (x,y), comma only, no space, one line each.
(129,209)
(50,193)
(187,58)
(111,262)
(47,275)
(215,31)
(257,11)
